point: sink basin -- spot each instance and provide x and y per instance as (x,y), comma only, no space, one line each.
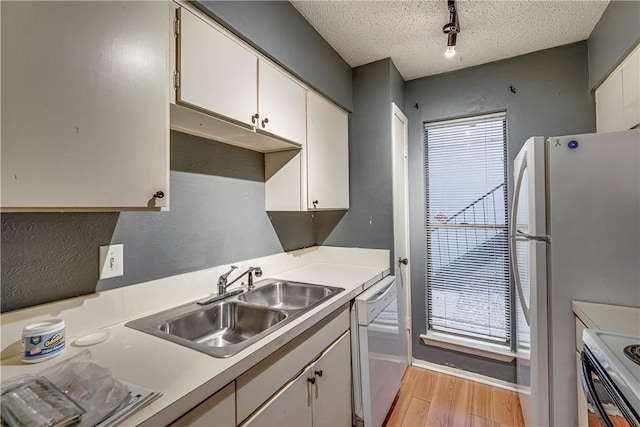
(224,324)
(289,296)
(221,329)
(226,327)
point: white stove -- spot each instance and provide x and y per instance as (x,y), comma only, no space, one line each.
(612,359)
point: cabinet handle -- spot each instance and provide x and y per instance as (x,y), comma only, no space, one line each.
(159,195)
(255,118)
(318,373)
(315,203)
(264,123)
(311,380)
(403,261)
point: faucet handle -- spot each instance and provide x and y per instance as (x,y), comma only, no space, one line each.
(223,277)
(257,271)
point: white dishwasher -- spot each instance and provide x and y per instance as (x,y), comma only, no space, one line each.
(379,357)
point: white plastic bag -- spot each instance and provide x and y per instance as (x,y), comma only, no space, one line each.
(90,385)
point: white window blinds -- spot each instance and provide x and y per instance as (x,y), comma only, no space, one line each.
(468,283)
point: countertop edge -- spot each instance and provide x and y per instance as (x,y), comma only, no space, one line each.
(188,390)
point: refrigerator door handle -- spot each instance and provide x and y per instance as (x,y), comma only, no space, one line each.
(514,233)
(520,237)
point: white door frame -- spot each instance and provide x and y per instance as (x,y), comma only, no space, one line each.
(399,148)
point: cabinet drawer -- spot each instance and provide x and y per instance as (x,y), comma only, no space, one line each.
(259,383)
(579,328)
(218,410)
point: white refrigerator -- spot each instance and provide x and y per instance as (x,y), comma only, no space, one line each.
(575,235)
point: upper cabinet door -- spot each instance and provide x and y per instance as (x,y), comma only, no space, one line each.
(327,155)
(85,105)
(631,90)
(217,74)
(281,104)
(609,106)
(618,97)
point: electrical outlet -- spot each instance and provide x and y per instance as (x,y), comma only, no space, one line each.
(111,261)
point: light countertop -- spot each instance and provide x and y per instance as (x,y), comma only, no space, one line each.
(186,377)
(606,317)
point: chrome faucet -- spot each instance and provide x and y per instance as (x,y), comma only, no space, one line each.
(222,281)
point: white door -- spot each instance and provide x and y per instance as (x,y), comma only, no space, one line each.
(217,74)
(331,391)
(528,257)
(400,138)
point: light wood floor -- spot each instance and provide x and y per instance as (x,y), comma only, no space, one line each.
(428,398)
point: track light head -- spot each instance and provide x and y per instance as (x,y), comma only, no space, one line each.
(451,29)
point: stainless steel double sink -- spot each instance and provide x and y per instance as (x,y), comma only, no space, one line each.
(224,328)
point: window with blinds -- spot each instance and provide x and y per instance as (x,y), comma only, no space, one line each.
(468,283)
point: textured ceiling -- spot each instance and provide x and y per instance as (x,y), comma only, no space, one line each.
(410,32)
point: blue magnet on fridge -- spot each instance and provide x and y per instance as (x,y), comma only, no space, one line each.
(573,144)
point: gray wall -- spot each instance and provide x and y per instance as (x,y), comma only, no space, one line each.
(369,221)
(613,38)
(217,216)
(217,193)
(278,30)
(552,98)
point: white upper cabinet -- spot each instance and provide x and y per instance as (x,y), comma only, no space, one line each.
(609,107)
(226,91)
(217,74)
(85,105)
(631,90)
(327,155)
(618,97)
(316,177)
(281,104)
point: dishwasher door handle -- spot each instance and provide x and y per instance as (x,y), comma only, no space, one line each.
(380,295)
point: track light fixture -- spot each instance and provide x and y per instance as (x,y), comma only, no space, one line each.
(451,29)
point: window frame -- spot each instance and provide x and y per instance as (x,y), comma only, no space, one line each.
(433,335)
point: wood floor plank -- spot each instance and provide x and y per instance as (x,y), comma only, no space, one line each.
(425,384)
(453,402)
(440,408)
(477,421)
(482,401)
(416,415)
(407,386)
(504,406)
(403,398)
(460,415)
(519,417)
(394,417)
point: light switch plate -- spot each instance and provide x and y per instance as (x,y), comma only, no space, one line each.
(111,261)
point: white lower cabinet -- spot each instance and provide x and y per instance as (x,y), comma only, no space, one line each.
(290,407)
(306,382)
(217,411)
(331,391)
(319,396)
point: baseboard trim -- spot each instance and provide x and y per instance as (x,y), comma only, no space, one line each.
(471,376)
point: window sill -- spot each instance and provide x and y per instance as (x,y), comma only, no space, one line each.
(469,346)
